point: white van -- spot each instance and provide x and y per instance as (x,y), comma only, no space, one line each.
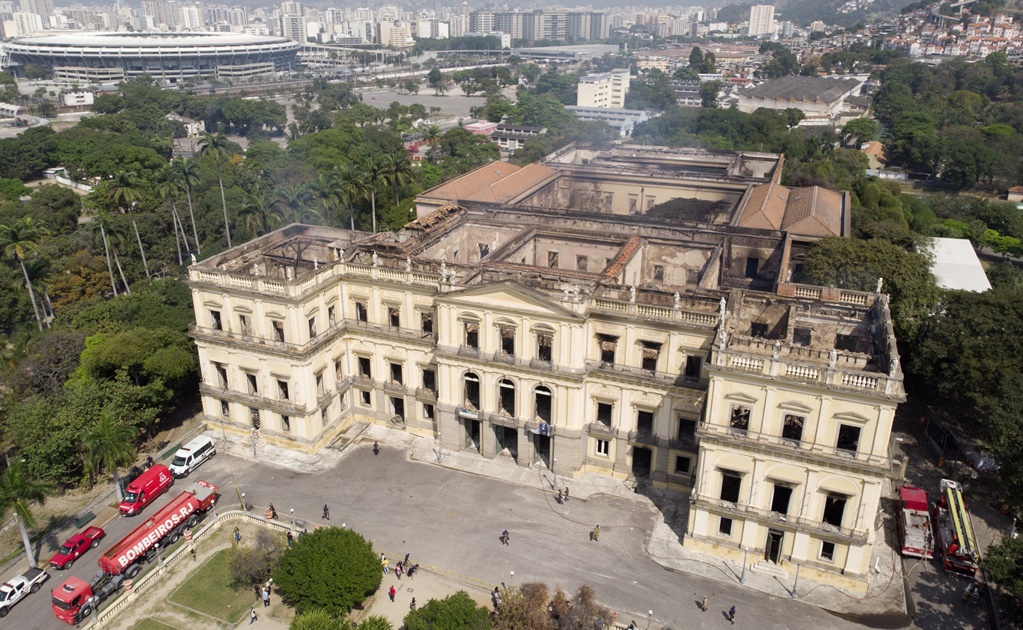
(191,455)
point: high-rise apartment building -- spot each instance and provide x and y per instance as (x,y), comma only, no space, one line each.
(293,27)
(606,90)
(761,20)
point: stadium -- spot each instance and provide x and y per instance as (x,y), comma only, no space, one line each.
(90,58)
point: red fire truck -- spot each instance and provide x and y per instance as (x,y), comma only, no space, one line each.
(958,545)
(915,519)
(76,599)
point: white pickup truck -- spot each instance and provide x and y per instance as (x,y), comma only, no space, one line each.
(13,590)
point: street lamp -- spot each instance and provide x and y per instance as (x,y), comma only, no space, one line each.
(244,509)
(440,449)
(554,469)
(293,518)
(742,579)
(649,616)
(795,584)
(512,580)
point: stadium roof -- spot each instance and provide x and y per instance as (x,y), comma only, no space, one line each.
(826,89)
(149,40)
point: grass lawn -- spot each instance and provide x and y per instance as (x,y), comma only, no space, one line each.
(210,591)
(152,624)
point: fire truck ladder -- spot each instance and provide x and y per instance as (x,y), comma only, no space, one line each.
(961,524)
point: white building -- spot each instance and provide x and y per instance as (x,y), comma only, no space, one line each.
(293,27)
(761,20)
(607,89)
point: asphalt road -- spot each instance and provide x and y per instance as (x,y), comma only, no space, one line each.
(452,520)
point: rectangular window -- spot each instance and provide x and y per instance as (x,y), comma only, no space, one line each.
(633,204)
(278,330)
(848,438)
(725,526)
(484,250)
(250,381)
(225,409)
(324,416)
(454,256)
(364,367)
(332,315)
(394,316)
(552,259)
(604,412)
(508,341)
(650,202)
(651,351)
(428,412)
(360,312)
(758,330)
(582,263)
(603,447)
(827,551)
(430,380)
(472,392)
(645,421)
(683,465)
(426,323)
(686,429)
(282,390)
(312,327)
(845,342)
(739,422)
(319,385)
(339,370)
(396,374)
(221,375)
(285,424)
(608,345)
(398,407)
(694,365)
(472,335)
(780,500)
(215,322)
(752,266)
(364,397)
(544,345)
(834,509)
(659,273)
(792,429)
(244,324)
(802,336)
(731,482)
(254,418)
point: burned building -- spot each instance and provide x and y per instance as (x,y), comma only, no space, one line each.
(631,311)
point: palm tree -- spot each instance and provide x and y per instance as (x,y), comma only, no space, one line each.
(397,171)
(19,240)
(188,173)
(124,190)
(374,171)
(352,186)
(17,492)
(114,239)
(258,217)
(102,221)
(167,185)
(291,199)
(431,135)
(326,191)
(108,445)
(218,147)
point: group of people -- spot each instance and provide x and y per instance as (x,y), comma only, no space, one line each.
(563,495)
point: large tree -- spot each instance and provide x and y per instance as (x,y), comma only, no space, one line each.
(332,568)
(19,239)
(125,190)
(109,444)
(167,186)
(18,491)
(454,611)
(218,148)
(188,174)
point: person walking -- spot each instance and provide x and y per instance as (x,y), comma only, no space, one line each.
(253,618)
(326,512)
(383,563)
(376,449)
(413,571)
(731,615)
(291,539)
(405,561)
(391,593)
(266,598)
(504,537)
(397,570)
(566,494)
(703,604)
(561,496)
(595,534)
(412,606)
(237,535)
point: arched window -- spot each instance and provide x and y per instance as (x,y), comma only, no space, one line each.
(506,397)
(542,403)
(472,391)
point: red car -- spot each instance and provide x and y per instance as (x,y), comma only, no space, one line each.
(76,546)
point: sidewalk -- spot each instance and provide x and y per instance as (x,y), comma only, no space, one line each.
(885,598)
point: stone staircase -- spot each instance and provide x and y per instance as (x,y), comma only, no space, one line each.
(769,568)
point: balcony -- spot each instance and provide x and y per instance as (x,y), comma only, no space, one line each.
(668,379)
(283,407)
(363,380)
(504,357)
(684,443)
(540,364)
(344,384)
(787,447)
(600,429)
(503,420)
(468,351)
(423,393)
(643,437)
(808,525)
(394,387)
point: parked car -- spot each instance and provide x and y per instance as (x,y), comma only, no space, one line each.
(76,546)
(15,589)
